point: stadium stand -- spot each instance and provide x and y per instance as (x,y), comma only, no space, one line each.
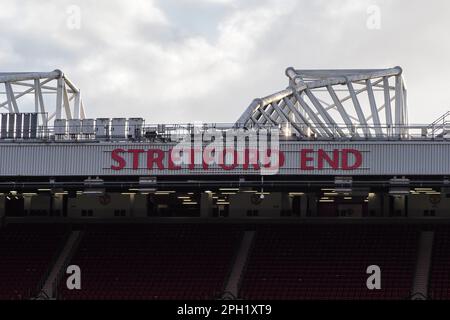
(329,262)
(307,261)
(26,254)
(163,261)
(346,191)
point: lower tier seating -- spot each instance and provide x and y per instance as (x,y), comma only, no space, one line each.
(439,282)
(163,261)
(26,256)
(330,262)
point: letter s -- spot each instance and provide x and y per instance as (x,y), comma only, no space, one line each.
(121,163)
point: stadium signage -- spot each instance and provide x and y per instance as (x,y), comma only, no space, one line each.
(336,160)
(231,159)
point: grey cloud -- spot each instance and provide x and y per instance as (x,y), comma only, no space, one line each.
(181,61)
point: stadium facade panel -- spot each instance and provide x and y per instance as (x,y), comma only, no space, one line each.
(295,158)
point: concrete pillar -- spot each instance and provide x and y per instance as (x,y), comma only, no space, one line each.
(375,204)
(303,205)
(399,205)
(2,209)
(286,202)
(140,205)
(240,261)
(27,204)
(132,204)
(312,203)
(423,265)
(385,207)
(206,205)
(57,203)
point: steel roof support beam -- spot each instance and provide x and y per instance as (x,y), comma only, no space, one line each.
(29,85)
(243,119)
(298,115)
(65,91)
(322,128)
(286,119)
(12,104)
(277,111)
(59,98)
(282,107)
(266,116)
(339,76)
(405,105)
(36,95)
(24,76)
(340,108)
(358,109)
(329,120)
(76,107)
(39,101)
(51,116)
(398,104)
(373,108)
(254,121)
(317,115)
(379,109)
(270,111)
(66,102)
(17,96)
(83,112)
(348,97)
(387,101)
(342,73)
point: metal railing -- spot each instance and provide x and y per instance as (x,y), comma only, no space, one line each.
(176,132)
(440,125)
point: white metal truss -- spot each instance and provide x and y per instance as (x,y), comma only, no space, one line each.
(51,94)
(335,103)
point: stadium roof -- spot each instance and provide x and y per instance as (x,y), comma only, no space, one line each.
(55,96)
(335,103)
(327,104)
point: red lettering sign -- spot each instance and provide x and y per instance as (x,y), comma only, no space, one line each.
(305,159)
(336,160)
(121,163)
(310,159)
(345,159)
(324,156)
(155,156)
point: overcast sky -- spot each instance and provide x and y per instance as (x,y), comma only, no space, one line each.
(206,60)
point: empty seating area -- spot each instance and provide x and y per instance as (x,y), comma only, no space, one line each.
(26,256)
(330,261)
(439,282)
(163,261)
(308,261)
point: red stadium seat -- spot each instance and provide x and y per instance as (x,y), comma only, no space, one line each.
(329,262)
(439,282)
(154,261)
(26,256)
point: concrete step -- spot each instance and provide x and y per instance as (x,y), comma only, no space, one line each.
(420,286)
(66,253)
(234,279)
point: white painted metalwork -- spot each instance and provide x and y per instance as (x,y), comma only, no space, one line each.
(317,105)
(55,96)
(336,104)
